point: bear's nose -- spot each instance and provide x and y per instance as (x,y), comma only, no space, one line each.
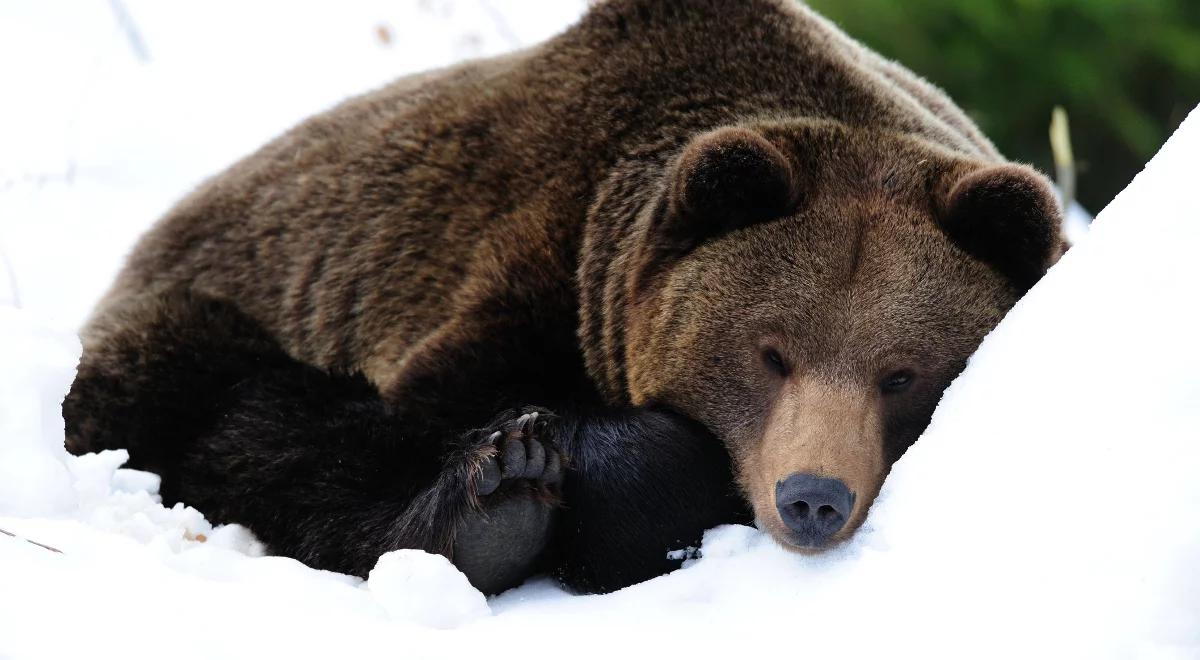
(813,507)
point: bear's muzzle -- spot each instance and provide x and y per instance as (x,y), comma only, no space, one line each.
(819,465)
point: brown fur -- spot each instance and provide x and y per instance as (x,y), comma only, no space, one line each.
(525,214)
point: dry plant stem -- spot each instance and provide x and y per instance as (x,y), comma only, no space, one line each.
(21,538)
(12,278)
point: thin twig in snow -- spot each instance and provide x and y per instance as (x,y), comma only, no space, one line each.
(502,26)
(130,29)
(12,279)
(21,538)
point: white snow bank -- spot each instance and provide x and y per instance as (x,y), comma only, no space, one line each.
(37,366)
(1072,447)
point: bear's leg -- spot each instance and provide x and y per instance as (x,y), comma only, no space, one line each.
(317,465)
(321,471)
(642,487)
(156,367)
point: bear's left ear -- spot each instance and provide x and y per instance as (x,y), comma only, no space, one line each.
(724,180)
(1008,217)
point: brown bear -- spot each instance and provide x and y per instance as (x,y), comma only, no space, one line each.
(689,262)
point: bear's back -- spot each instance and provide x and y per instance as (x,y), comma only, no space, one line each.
(443,202)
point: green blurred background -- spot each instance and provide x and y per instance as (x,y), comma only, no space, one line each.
(1126,71)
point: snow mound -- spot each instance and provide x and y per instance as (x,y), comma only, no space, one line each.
(413,585)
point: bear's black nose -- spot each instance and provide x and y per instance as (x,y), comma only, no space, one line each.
(813,507)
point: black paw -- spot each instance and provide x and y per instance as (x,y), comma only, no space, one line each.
(498,543)
(521,459)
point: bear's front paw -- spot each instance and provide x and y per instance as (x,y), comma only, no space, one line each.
(521,459)
(515,490)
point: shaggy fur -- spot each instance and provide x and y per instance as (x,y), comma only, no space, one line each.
(617,226)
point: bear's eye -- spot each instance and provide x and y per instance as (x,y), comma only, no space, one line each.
(897,381)
(775,362)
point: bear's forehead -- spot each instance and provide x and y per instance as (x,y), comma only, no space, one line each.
(872,253)
(855,282)
(841,160)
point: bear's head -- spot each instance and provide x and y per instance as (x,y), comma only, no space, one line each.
(807,290)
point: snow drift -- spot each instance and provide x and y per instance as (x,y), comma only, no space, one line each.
(1049,510)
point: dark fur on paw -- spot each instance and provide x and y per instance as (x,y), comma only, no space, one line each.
(516,490)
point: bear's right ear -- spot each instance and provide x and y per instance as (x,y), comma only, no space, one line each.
(724,180)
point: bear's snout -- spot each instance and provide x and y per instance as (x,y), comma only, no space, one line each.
(818,465)
(814,508)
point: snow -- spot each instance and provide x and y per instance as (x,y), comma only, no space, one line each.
(1076,221)
(1049,510)
(416,586)
(38,366)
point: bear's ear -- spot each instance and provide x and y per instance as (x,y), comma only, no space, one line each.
(1008,217)
(727,179)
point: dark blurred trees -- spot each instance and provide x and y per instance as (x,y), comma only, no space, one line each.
(1127,71)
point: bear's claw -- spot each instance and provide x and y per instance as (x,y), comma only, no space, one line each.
(520,455)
